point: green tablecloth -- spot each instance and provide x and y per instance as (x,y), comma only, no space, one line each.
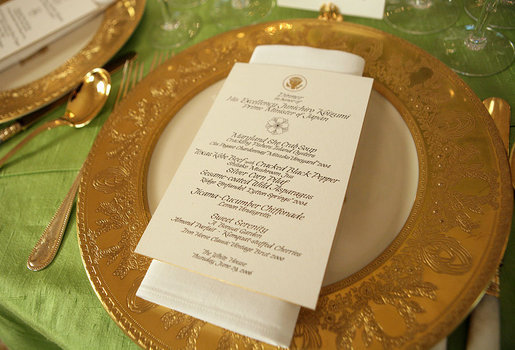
(57,307)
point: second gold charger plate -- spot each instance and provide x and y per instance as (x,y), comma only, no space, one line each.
(412,291)
(45,84)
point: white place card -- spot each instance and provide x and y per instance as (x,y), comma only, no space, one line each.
(28,25)
(359,8)
(257,197)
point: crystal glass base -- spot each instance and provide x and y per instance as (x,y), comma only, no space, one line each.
(471,56)
(185,4)
(182,27)
(237,13)
(502,17)
(421,17)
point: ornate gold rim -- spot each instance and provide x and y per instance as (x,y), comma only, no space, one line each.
(412,295)
(415,211)
(119,22)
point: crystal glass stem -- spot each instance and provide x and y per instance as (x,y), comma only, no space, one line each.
(476,50)
(237,13)
(477,40)
(176,27)
(421,4)
(503,16)
(421,16)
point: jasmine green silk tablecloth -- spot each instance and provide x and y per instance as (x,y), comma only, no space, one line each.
(57,307)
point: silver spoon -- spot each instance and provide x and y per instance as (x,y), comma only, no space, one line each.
(84,104)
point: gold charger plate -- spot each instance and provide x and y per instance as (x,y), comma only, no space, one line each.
(412,295)
(118,23)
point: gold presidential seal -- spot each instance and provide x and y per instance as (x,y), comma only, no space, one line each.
(295,82)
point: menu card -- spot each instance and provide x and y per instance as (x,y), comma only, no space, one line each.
(28,25)
(360,8)
(257,197)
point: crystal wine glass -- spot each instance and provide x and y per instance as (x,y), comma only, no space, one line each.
(237,13)
(503,17)
(421,16)
(476,50)
(176,27)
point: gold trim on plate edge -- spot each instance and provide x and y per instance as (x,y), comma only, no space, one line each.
(119,22)
(412,295)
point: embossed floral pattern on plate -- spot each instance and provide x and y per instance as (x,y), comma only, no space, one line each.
(411,295)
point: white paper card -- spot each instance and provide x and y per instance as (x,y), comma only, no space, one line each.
(257,197)
(28,25)
(359,8)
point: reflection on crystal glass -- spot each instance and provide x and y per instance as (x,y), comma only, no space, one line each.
(503,17)
(178,25)
(476,50)
(237,13)
(421,16)
(185,4)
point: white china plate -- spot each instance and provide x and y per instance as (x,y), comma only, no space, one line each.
(51,57)
(381,190)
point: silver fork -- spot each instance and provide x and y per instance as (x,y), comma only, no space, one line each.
(48,244)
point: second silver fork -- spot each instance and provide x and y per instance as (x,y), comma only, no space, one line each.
(48,244)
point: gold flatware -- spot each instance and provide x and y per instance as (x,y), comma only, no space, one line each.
(26,121)
(83,105)
(46,248)
(117,25)
(500,111)
(48,244)
(484,327)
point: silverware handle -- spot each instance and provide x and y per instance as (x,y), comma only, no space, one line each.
(10,131)
(46,248)
(48,125)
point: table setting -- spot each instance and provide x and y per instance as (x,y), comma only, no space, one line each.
(408,260)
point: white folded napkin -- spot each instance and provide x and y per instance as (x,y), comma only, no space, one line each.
(41,38)
(251,314)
